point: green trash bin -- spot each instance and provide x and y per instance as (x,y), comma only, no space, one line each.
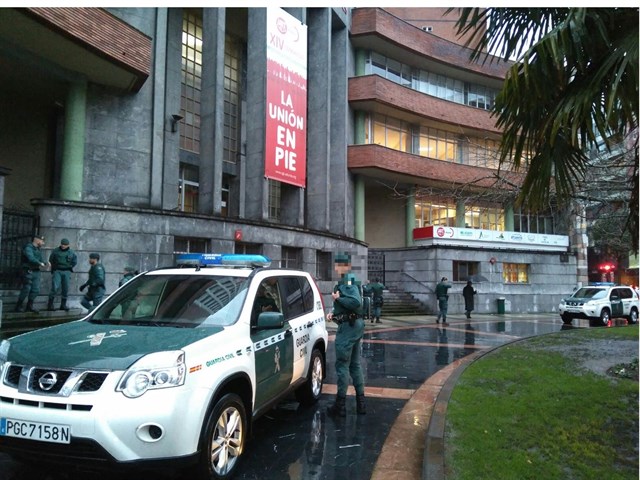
(501,301)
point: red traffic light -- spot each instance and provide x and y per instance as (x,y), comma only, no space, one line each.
(606,267)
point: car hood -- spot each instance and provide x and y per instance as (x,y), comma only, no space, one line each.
(83,344)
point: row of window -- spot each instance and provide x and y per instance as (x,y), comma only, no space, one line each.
(430,142)
(511,272)
(436,211)
(440,86)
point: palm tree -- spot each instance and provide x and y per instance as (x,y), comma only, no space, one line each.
(574,83)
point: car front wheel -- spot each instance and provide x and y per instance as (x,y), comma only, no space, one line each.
(633,316)
(309,392)
(223,440)
(605,317)
(566,319)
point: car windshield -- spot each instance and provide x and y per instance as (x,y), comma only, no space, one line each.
(594,293)
(175,301)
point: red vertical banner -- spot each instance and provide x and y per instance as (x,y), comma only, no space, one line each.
(286,123)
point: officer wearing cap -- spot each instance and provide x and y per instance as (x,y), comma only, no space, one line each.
(347,313)
(62,260)
(32,262)
(96,284)
(129,273)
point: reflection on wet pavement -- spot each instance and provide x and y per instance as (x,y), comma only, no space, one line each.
(405,361)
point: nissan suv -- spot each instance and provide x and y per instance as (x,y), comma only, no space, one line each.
(601,303)
(171,369)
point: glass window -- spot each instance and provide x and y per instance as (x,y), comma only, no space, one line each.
(275,195)
(463,270)
(190,245)
(232,87)
(515,273)
(191,79)
(188,187)
(291,257)
(323,265)
(186,301)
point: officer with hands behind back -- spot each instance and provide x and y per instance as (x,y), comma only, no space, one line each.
(62,260)
(347,313)
(32,262)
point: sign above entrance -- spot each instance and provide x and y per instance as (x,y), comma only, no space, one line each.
(471,237)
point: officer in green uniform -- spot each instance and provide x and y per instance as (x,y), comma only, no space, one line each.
(62,260)
(95,283)
(442,295)
(347,313)
(128,274)
(32,262)
(377,289)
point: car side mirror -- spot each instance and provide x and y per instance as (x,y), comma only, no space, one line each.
(269,320)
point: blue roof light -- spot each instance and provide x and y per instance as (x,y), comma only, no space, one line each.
(221,259)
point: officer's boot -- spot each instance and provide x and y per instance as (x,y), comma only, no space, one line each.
(30,307)
(63,305)
(360,404)
(50,305)
(378,320)
(19,307)
(338,408)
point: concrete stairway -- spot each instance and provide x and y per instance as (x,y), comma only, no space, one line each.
(398,303)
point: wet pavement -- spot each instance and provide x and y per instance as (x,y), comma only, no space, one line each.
(406,363)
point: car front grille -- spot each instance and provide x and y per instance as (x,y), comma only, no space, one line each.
(52,381)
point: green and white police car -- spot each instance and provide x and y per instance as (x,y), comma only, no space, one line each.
(171,369)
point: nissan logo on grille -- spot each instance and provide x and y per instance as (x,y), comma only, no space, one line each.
(47,381)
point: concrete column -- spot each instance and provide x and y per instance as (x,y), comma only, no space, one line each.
(460,223)
(508,217)
(256,186)
(159,110)
(359,128)
(360,62)
(318,115)
(341,186)
(410,215)
(73,149)
(359,206)
(212,111)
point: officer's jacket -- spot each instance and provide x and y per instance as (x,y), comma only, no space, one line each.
(31,257)
(63,259)
(350,299)
(441,289)
(96,276)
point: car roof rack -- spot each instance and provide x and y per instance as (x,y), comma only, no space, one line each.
(602,284)
(237,260)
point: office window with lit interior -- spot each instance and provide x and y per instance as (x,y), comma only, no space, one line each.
(188,185)
(515,273)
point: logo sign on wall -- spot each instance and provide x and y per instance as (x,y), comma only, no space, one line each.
(286,125)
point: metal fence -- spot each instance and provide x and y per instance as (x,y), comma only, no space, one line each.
(376,266)
(17,229)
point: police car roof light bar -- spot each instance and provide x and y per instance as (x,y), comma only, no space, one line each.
(222,260)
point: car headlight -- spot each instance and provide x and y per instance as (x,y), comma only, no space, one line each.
(153,371)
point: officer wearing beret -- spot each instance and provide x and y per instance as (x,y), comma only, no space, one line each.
(32,262)
(96,291)
(129,273)
(62,260)
(347,313)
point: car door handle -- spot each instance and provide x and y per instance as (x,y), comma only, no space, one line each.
(288,333)
(310,324)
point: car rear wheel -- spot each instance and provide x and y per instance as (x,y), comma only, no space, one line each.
(566,319)
(309,392)
(605,317)
(224,438)
(633,316)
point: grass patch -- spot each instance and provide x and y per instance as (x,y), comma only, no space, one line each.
(530,410)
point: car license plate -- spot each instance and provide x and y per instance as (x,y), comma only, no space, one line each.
(45,432)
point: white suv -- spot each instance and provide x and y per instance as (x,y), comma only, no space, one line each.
(601,302)
(171,369)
